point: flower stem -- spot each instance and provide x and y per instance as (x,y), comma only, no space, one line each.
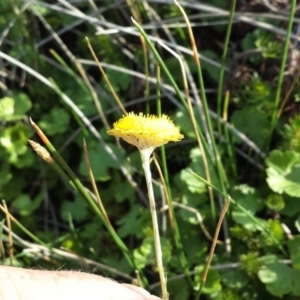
(145,155)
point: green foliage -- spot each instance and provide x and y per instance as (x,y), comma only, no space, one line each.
(55,122)
(77,209)
(255,100)
(229,295)
(256,94)
(179,288)
(234,279)
(38,9)
(14,148)
(264,42)
(213,282)
(291,134)
(265,188)
(291,206)
(212,70)
(253,124)
(279,279)
(294,247)
(283,172)
(15,107)
(249,198)
(119,81)
(183,121)
(138,218)
(275,202)
(197,166)
(13,139)
(144,255)
(101,161)
(250,263)
(275,230)
(174,67)
(25,206)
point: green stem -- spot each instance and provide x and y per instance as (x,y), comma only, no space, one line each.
(158,96)
(223,60)
(147,83)
(145,155)
(228,139)
(283,65)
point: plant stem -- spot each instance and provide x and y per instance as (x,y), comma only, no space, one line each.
(223,61)
(145,155)
(213,247)
(283,66)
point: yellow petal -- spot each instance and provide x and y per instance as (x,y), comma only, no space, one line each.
(146,131)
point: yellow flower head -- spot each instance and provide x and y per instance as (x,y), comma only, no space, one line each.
(146,131)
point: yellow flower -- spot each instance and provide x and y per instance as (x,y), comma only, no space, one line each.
(146,131)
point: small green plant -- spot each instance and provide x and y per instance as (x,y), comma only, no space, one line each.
(265,43)
(291,134)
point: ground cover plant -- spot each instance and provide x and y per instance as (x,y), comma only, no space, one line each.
(76,67)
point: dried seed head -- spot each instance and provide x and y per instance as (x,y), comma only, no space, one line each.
(41,151)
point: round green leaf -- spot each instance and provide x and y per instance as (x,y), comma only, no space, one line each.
(212,283)
(267,276)
(22,104)
(282,162)
(278,278)
(78,210)
(284,172)
(6,108)
(57,121)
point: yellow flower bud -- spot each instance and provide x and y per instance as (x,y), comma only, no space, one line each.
(146,131)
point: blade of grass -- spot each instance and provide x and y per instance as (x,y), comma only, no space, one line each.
(223,61)
(229,144)
(282,67)
(2,250)
(10,240)
(92,179)
(146,69)
(213,246)
(74,232)
(116,97)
